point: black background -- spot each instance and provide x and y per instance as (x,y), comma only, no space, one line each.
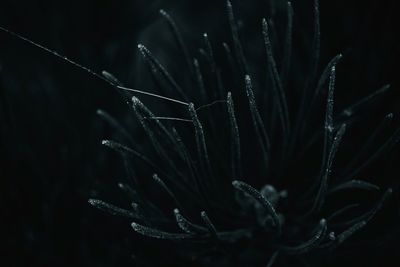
(51,160)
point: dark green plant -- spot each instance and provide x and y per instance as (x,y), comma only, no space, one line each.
(215,207)
(219,156)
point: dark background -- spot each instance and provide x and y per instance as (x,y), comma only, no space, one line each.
(51,160)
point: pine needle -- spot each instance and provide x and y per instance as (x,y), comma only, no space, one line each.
(235,139)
